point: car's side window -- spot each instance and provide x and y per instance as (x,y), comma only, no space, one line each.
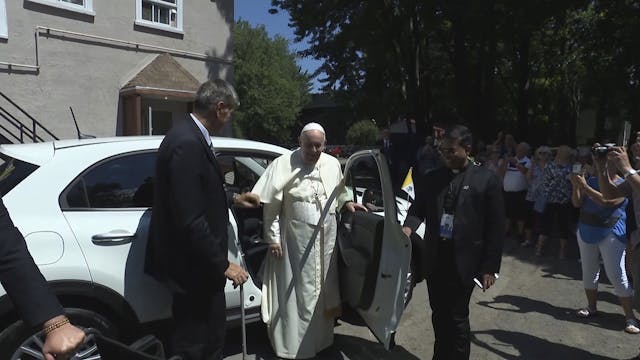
(364,179)
(121,182)
(242,171)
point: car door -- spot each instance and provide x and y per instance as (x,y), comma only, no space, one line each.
(242,169)
(107,207)
(375,254)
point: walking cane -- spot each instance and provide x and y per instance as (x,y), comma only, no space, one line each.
(242,315)
(243,326)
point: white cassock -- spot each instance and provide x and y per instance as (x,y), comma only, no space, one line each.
(300,291)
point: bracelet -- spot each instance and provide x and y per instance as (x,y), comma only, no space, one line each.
(56,325)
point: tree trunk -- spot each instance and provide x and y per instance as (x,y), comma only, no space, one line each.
(522,106)
(463,81)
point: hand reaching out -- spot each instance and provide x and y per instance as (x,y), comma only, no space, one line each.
(246,200)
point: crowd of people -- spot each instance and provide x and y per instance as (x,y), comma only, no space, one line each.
(551,195)
(557,192)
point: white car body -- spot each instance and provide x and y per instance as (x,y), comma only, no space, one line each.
(99,252)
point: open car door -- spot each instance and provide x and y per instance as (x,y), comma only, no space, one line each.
(375,254)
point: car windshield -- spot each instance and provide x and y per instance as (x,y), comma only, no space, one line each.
(12,172)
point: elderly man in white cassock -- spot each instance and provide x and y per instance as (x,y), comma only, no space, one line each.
(301,192)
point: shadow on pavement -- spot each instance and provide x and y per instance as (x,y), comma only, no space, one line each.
(356,348)
(550,264)
(345,347)
(530,347)
(524,305)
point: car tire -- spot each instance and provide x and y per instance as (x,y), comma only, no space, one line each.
(19,333)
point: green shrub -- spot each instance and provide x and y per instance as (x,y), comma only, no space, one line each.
(362,133)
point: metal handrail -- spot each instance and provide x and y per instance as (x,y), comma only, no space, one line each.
(30,131)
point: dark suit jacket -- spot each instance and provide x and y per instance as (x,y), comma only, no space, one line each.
(187,243)
(21,278)
(479,222)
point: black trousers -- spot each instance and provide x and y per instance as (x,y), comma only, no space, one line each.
(449,299)
(200,325)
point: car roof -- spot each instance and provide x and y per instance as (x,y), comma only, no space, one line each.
(42,152)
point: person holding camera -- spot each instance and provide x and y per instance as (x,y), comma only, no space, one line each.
(602,232)
(617,160)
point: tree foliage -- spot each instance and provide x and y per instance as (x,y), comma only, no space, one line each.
(362,133)
(271,86)
(529,67)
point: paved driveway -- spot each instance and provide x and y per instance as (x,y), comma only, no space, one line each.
(529,314)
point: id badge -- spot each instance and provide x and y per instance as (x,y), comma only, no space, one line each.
(446,226)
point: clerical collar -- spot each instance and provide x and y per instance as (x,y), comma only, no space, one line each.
(464,168)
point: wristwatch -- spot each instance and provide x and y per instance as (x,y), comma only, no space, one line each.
(630,172)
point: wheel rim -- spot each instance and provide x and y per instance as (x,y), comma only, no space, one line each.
(31,348)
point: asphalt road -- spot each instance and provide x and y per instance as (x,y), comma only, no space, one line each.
(529,314)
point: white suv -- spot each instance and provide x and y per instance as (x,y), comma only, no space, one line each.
(84,207)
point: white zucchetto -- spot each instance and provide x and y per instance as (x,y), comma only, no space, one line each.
(312,126)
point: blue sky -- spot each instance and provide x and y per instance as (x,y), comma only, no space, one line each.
(256,12)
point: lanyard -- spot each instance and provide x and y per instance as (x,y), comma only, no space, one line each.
(451,197)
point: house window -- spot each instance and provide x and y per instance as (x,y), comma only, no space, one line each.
(81,6)
(160,14)
(4,31)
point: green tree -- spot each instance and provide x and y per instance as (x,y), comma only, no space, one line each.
(530,67)
(271,86)
(362,133)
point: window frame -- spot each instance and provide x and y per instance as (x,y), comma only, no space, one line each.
(157,25)
(86,9)
(4,20)
(235,156)
(62,198)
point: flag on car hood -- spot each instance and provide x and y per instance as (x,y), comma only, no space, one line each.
(407,185)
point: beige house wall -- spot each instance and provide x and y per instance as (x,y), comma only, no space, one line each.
(87,74)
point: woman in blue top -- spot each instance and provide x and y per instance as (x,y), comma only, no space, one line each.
(602,231)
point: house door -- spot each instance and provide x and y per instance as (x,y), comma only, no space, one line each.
(159,116)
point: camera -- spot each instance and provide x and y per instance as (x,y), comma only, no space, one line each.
(601,151)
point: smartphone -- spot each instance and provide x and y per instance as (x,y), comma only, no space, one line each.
(577,168)
(479,283)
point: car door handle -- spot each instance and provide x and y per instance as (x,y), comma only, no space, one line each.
(113,236)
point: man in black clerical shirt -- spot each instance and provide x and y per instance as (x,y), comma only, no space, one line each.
(464,212)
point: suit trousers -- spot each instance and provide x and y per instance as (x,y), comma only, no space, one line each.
(449,299)
(199,325)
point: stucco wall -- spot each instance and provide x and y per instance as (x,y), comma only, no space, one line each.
(88,74)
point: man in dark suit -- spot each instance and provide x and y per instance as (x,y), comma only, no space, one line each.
(30,294)
(187,246)
(464,211)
